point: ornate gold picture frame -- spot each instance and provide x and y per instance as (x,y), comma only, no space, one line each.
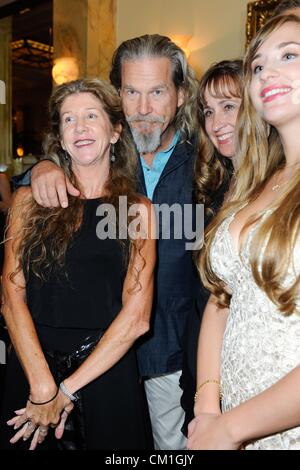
(257,14)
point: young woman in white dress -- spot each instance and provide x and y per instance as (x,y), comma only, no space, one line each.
(249,343)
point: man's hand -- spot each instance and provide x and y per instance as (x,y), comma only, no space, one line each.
(50,185)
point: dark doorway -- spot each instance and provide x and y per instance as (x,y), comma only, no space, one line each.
(32,52)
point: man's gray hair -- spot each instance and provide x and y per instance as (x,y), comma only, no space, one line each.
(155,45)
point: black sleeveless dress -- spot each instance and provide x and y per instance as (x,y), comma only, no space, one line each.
(112,413)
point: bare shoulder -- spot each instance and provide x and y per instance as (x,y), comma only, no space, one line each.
(145,211)
(18,212)
(22,194)
(144,201)
(144,206)
(20,199)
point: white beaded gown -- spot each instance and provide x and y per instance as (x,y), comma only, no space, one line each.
(260,344)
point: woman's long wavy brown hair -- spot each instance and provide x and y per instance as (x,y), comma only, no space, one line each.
(212,170)
(259,155)
(47,232)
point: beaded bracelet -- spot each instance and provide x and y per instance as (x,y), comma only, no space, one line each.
(44,402)
(208,381)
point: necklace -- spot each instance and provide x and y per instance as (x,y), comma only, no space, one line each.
(277,186)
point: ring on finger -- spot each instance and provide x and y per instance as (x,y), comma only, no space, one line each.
(43,431)
(30,424)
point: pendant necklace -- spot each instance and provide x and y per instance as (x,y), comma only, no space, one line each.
(277,186)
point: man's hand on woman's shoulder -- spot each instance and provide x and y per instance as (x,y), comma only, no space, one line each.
(50,185)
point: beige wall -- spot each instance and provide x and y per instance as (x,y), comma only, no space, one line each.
(216,27)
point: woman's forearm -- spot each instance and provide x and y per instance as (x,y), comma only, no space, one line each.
(15,311)
(27,346)
(114,344)
(209,357)
(274,410)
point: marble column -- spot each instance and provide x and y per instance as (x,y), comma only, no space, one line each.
(5,89)
(85,30)
(101,37)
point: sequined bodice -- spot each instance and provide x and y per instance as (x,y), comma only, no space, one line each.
(260,345)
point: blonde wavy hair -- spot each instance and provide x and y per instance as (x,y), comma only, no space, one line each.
(222,80)
(259,155)
(45,236)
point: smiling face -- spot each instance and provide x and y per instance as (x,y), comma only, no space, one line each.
(150,101)
(85,128)
(275,82)
(220,120)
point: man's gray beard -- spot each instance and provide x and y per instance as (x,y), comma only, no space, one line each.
(146,143)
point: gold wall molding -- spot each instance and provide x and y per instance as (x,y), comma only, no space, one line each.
(257,15)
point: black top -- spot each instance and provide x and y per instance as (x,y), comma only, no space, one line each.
(111,413)
(90,296)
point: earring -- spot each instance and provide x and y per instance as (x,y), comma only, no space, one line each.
(113,157)
(66,156)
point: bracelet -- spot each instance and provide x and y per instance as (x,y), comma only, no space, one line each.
(66,392)
(208,381)
(44,402)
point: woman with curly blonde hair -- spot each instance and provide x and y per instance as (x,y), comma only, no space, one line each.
(249,340)
(76,296)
